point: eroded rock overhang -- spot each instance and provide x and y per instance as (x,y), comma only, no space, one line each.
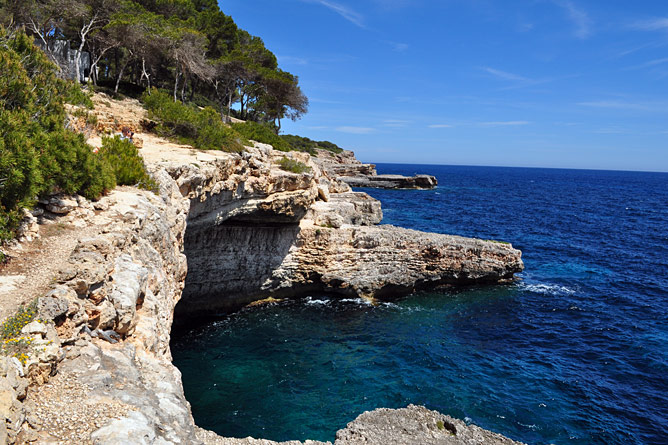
(255,231)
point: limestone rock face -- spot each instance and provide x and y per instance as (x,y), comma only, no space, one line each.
(414,425)
(352,208)
(285,236)
(385,261)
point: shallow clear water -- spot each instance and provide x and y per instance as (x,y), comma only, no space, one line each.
(576,352)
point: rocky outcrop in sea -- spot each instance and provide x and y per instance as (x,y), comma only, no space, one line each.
(346,168)
(223,230)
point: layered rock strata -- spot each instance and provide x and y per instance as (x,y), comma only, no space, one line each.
(98,367)
(346,168)
(251,236)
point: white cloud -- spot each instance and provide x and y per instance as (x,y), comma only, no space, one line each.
(292,60)
(347,13)
(440,126)
(578,16)
(395,123)
(399,47)
(355,130)
(503,123)
(656,24)
(506,75)
(649,64)
(616,105)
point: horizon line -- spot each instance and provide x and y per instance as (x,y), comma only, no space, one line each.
(522,166)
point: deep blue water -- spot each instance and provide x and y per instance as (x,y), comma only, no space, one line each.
(574,353)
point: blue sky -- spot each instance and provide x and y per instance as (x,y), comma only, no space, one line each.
(538,83)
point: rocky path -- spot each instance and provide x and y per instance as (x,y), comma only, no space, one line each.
(32,265)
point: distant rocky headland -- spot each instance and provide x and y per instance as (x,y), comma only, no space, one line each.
(345,167)
(222,231)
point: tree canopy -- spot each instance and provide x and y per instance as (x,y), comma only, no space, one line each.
(188,47)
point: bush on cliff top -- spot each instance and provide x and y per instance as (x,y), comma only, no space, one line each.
(261,133)
(37,154)
(307,145)
(293,166)
(128,167)
(201,128)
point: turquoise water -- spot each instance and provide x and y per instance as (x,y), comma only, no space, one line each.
(576,352)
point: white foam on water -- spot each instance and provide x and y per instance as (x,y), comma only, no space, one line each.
(315,302)
(531,427)
(359,301)
(547,289)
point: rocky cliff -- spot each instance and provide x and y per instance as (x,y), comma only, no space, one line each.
(222,231)
(261,232)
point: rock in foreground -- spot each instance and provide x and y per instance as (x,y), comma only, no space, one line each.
(415,425)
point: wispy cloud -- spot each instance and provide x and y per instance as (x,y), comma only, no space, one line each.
(650,64)
(292,60)
(347,13)
(506,75)
(355,130)
(503,123)
(616,105)
(578,17)
(395,123)
(655,24)
(399,47)
(317,100)
(658,106)
(611,130)
(481,124)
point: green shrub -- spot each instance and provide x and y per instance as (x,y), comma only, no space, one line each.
(307,145)
(73,94)
(68,165)
(293,166)
(261,133)
(203,129)
(37,154)
(128,167)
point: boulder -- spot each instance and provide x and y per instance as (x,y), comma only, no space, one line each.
(415,425)
(60,204)
(55,304)
(129,285)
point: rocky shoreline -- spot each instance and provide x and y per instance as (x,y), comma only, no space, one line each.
(346,168)
(224,230)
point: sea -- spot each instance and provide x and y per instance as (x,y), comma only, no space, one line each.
(574,352)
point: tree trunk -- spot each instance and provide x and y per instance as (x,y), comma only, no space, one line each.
(77,60)
(183,89)
(229,109)
(176,84)
(120,75)
(145,74)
